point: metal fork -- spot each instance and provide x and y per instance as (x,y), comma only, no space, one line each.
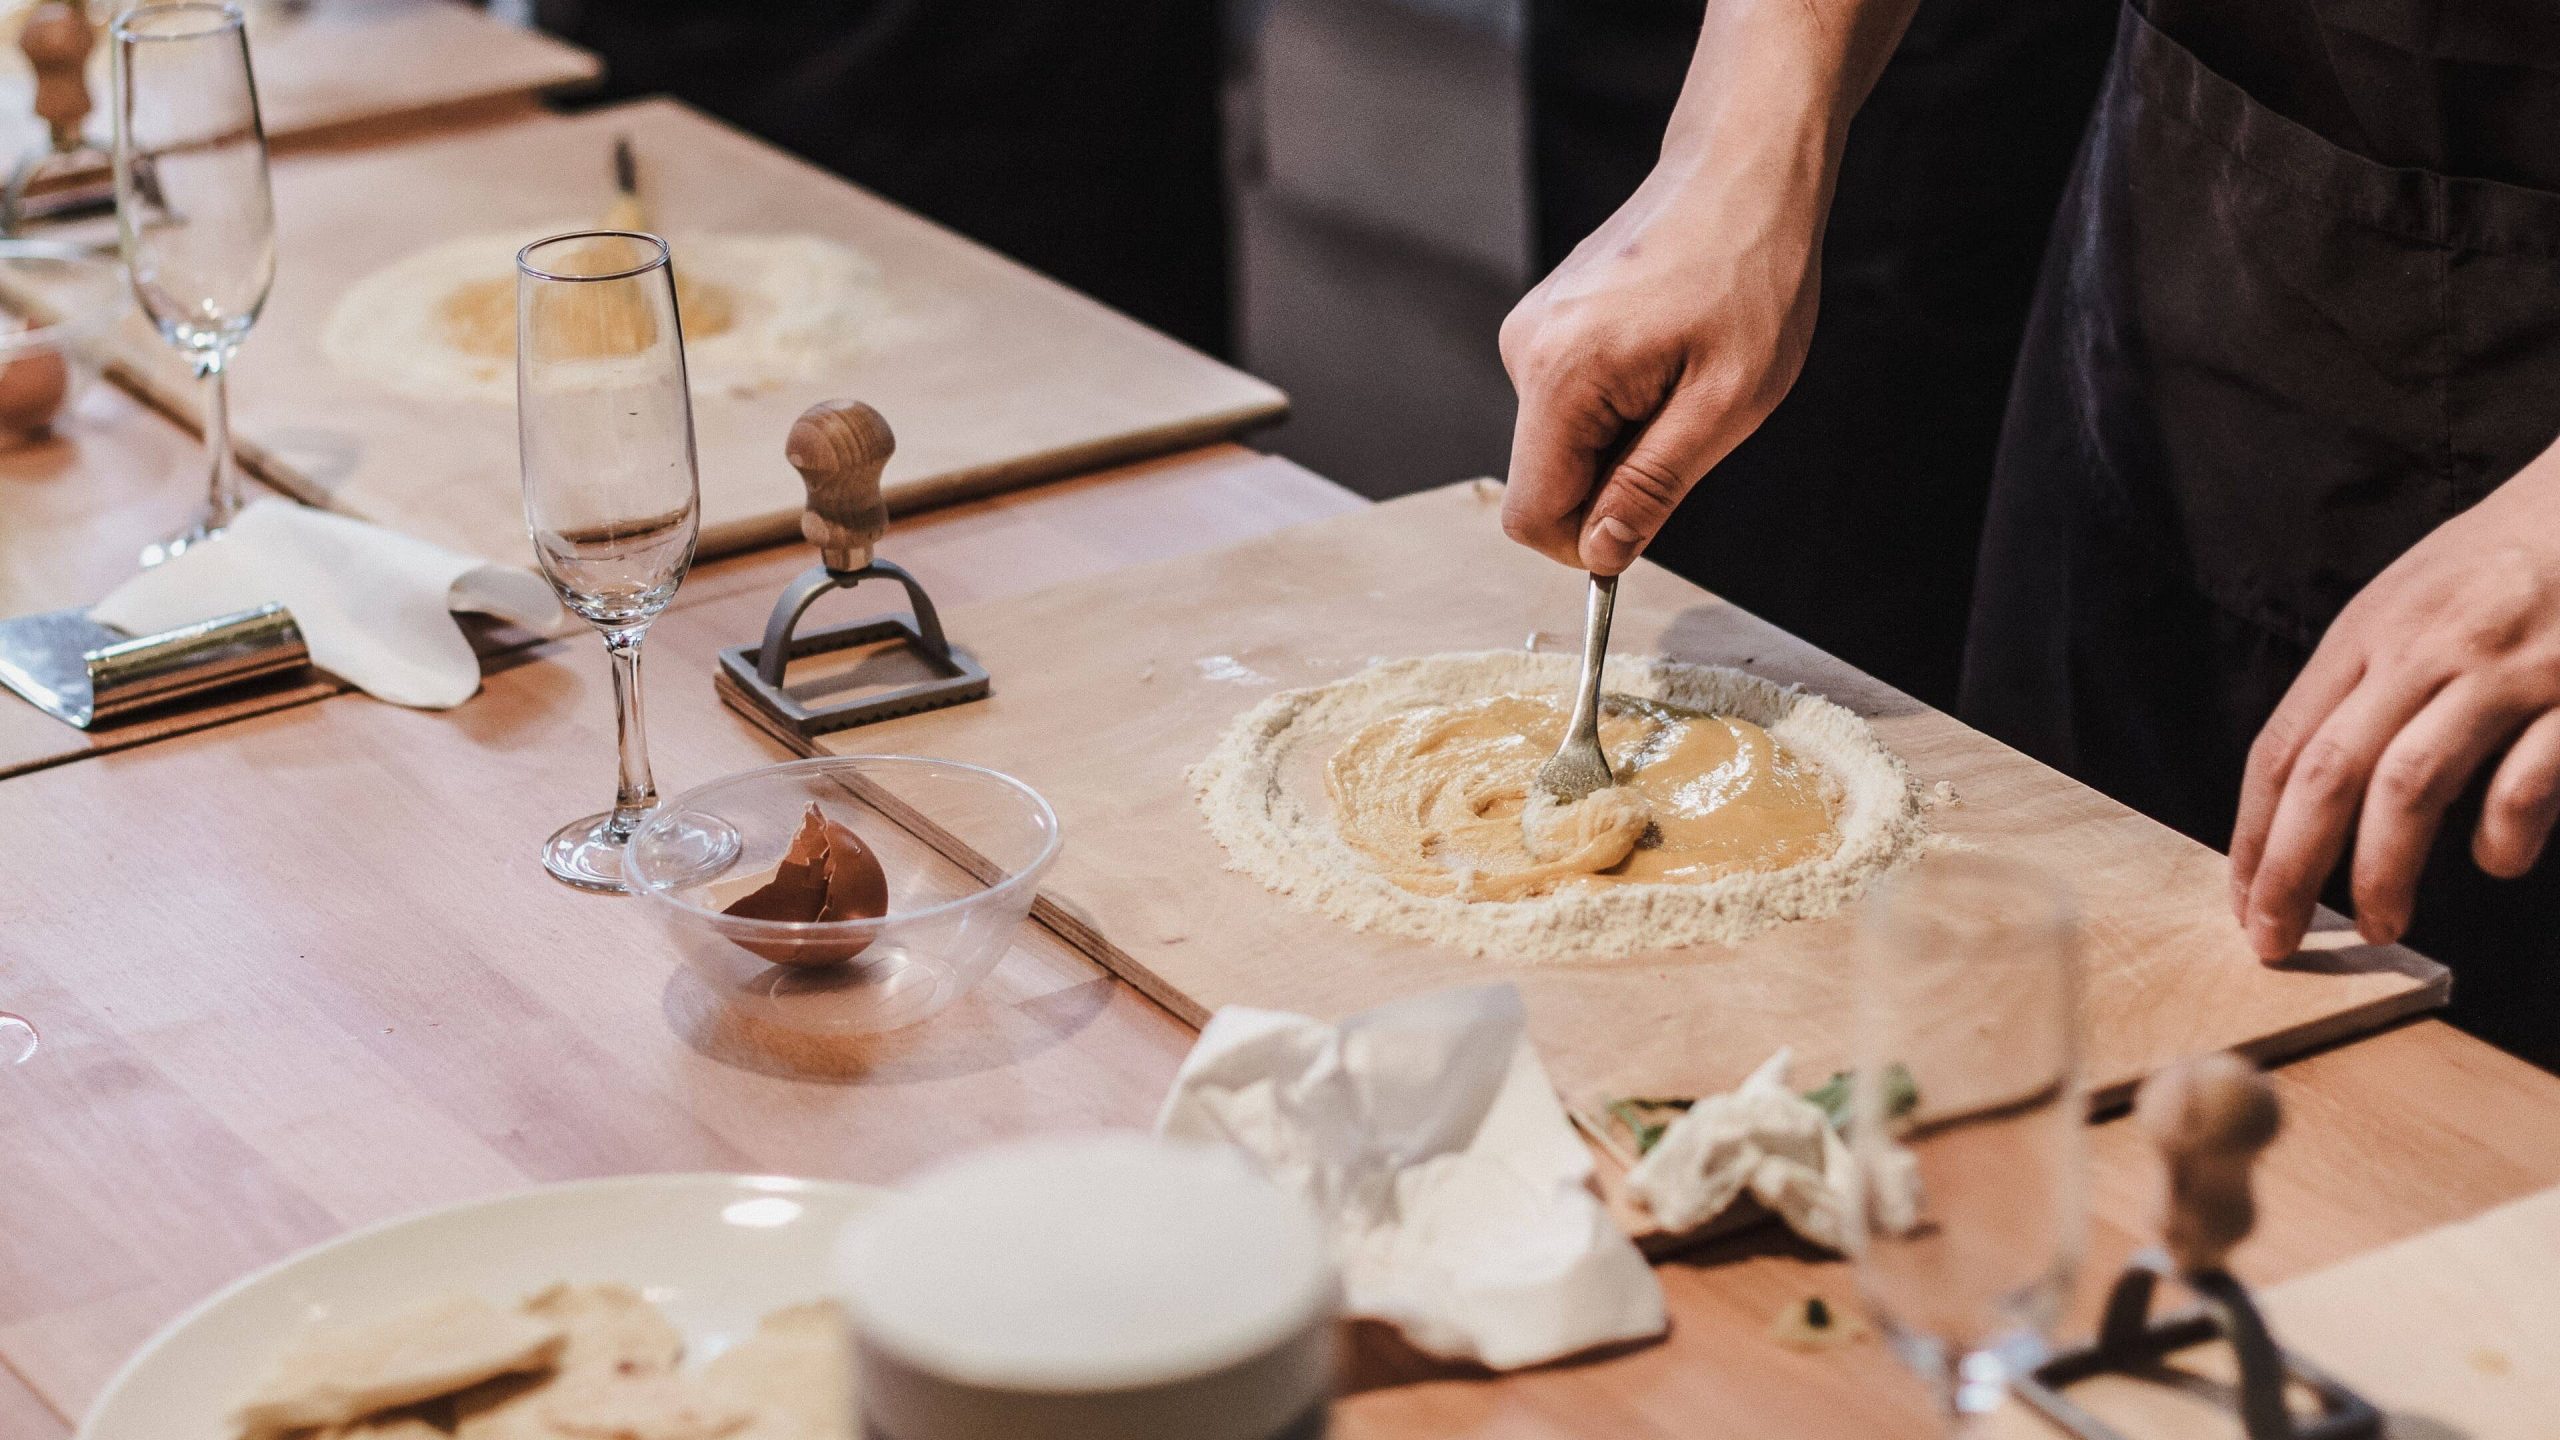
(1579,767)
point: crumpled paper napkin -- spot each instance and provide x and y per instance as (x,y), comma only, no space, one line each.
(375,606)
(1428,1135)
(1767,1140)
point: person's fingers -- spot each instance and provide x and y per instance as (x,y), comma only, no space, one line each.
(1555,454)
(2323,790)
(1649,480)
(2523,800)
(2332,673)
(2418,775)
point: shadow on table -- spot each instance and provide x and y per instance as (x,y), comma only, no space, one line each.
(976,1034)
(1727,635)
(1375,1357)
(1764,1238)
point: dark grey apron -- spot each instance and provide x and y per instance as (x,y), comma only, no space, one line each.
(2258,369)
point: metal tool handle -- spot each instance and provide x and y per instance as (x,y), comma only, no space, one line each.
(1602,601)
(2211,1116)
(56,40)
(840,447)
(802,593)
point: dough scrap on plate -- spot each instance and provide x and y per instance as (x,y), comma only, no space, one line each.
(602,1406)
(609,1327)
(796,1371)
(333,1374)
(612,1335)
(384,1427)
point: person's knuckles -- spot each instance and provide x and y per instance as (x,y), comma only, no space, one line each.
(1642,491)
(2327,772)
(1521,336)
(1527,529)
(2271,755)
(2413,781)
(1544,524)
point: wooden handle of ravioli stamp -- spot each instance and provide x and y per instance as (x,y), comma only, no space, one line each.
(2212,1116)
(56,40)
(839,447)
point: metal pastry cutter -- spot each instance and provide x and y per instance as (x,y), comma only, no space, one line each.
(2211,1117)
(839,449)
(87,675)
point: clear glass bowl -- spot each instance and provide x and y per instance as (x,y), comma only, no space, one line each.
(45,368)
(949,918)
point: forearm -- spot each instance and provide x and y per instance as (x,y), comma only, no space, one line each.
(1673,329)
(1774,84)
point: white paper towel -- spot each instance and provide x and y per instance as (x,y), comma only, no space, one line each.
(1765,1140)
(375,606)
(1429,1137)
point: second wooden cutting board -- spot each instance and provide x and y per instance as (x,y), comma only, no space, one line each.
(2454,1334)
(1004,378)
(1106,691)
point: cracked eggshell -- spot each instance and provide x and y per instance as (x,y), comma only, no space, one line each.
(827,874)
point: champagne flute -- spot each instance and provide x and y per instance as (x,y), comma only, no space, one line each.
(604,425)
(193,209)
(1966,1120)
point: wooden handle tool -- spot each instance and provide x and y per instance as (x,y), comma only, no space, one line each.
(2211,1116)
(56,39)
(839,447)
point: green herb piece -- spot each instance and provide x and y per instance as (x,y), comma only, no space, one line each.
(1646,1118)
(1901,1094)
(1817,1313)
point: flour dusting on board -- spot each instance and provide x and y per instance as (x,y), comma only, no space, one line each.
(1280,829)
(760,311)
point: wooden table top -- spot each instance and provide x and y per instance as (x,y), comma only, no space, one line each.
(304,972)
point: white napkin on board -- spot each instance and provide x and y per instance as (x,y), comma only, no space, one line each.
(1428,1135)
(1764,1140)
(374,605)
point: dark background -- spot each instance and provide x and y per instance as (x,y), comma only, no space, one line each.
(1345,196)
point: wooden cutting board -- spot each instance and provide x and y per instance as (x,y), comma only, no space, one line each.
(2454,1334)
(340,65)
(1007,377)
(1107,690)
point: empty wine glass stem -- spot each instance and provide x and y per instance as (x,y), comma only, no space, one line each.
(222,502)
(637,794)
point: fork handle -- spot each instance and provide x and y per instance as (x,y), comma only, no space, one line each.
(1603,600)
(1596,616)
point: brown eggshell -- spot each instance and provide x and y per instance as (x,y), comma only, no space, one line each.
(828,873)
(856,885)
(32,389)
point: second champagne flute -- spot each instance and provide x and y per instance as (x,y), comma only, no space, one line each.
(604,425)
(1967,1120)
(193,209)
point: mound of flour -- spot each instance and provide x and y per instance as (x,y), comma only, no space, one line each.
(802,308)
(1286,839)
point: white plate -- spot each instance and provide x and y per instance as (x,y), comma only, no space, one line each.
(716,1252)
